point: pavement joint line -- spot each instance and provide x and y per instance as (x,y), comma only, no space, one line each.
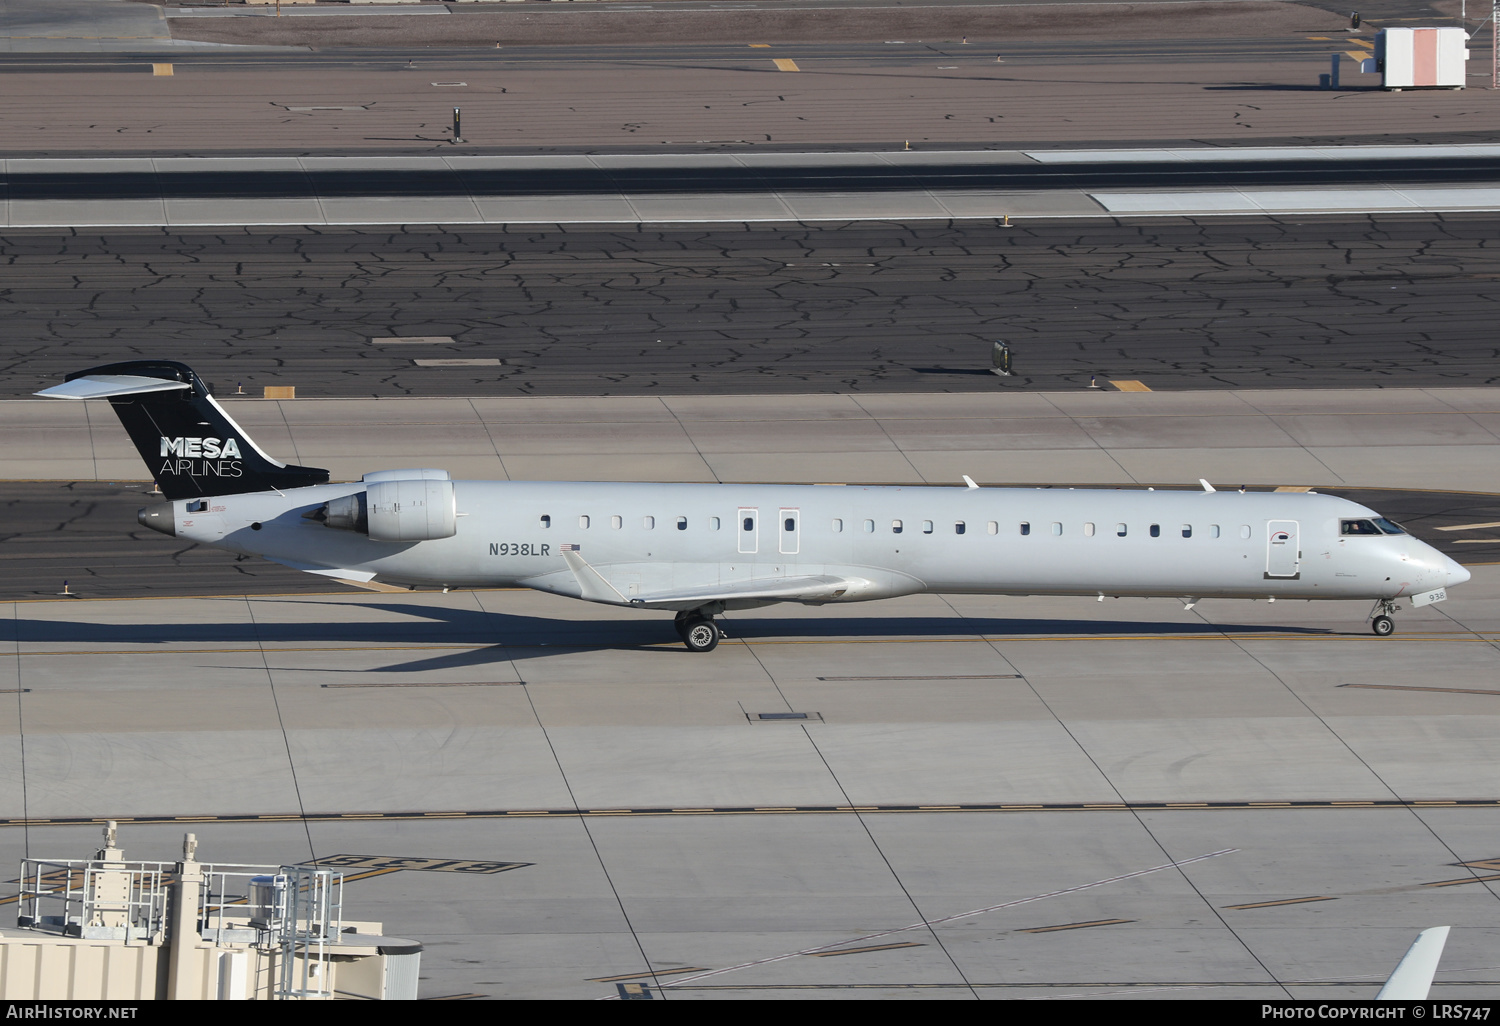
(1001,807)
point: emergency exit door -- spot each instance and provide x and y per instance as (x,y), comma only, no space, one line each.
(748,528)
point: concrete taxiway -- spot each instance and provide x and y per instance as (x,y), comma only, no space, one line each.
(827,776)
(1395,438)
(667,812)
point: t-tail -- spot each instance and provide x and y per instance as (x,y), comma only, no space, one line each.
(193,447)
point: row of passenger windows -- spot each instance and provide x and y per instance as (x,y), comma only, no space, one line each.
(789,524)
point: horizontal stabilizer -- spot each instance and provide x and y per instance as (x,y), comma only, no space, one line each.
(103,386)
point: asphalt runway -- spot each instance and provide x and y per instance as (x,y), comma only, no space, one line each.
(84,535)
(1331,301)
(1006,173)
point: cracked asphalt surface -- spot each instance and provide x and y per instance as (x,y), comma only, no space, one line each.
(1395,300)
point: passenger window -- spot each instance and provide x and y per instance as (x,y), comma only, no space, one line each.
(682,523)
(1156,530)
(895,527)
(927,527)
(1088,530)
(1057,529)
(958,528)
(869,527)
(1120,530)
(789,524)
(1187,530)
(713,523)
(1213,530)
(993,527)
(583,522)
(546,521)
(1245,531)
(1025,528)
(649,523)
(838,525)
(748,525)
(616,523)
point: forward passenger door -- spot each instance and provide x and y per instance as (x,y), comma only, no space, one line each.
(1283,556)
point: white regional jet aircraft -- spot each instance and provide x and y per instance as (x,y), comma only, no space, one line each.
(699,549)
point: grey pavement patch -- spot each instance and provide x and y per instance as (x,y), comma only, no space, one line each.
(1217,154)
(474,362)
(1311,201)
(413,340)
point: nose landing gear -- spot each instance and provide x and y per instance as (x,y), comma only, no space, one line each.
(697,631)
(1381,623)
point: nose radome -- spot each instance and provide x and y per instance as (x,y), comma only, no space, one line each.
(1457,573)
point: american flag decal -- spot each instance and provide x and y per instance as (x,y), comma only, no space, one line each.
(569,548)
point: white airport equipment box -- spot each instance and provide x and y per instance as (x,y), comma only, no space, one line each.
(1420,58)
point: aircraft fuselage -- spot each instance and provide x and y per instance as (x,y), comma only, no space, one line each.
(648,539)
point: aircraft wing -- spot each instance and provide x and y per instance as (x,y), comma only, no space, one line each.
(772,589)
(1413,976)
(596,587)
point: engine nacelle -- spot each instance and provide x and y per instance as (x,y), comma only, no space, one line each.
(395,511)
(401,511)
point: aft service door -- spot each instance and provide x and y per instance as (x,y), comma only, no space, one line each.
(748,528)
(1282,555)
(789,537)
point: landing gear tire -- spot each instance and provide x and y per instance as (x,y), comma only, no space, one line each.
(700,634)
(1383,626)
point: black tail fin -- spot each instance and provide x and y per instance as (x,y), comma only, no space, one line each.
(191,444)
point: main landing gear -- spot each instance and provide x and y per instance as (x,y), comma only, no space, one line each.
(698,631)
(1380,618)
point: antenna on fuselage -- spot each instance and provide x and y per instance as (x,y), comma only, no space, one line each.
(969,481)
(1206,486)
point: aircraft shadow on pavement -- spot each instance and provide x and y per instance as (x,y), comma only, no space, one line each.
(505,637)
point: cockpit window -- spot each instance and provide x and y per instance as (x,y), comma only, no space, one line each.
(1348,527)
(1389,526)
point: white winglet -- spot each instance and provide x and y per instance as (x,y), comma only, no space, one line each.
(591,586)
(1206,486)
(1413,976)
(969,481)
